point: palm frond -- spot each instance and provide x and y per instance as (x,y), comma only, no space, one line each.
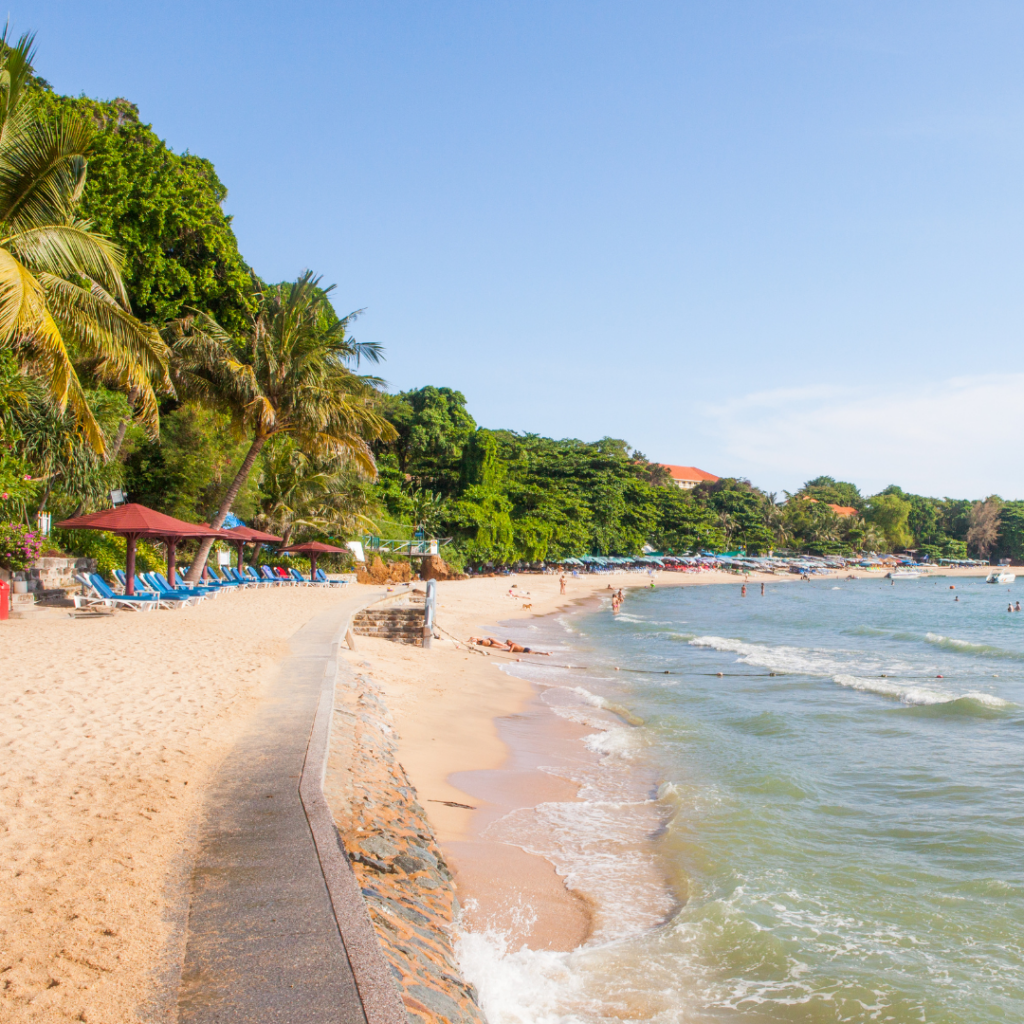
(71,250)
(42,173)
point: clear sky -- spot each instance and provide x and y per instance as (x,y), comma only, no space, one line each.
(767,239)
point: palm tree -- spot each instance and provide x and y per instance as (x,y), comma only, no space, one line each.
(289,375)
(62,299)
(306,494)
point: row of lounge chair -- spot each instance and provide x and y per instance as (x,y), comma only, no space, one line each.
(154,590)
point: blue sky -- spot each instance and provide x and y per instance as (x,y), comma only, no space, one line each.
(771,240)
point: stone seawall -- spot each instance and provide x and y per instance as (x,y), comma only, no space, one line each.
(406,884)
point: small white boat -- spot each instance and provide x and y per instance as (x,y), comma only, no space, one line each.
(902,574)
(1000,577)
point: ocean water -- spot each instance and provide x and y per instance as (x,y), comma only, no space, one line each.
(803,807)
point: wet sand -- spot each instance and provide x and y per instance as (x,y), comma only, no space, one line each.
(471,734)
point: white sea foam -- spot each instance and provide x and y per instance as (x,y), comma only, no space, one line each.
(801,660)
(915,693)
(524,986)
(620,742)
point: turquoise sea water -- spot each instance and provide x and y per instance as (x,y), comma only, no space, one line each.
(807,826)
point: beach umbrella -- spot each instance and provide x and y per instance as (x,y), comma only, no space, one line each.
(314,548)
(242,535)
(133,521)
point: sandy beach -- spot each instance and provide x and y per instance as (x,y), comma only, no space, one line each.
(114,726)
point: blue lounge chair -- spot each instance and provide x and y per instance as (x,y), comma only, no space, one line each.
(300,579)
(159,581)
(245,581)
(222,579)
(182,584)
(103,596)
(272,577)
(164,590)
(321,577)
(257,577)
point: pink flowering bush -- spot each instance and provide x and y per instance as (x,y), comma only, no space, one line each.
(19,546)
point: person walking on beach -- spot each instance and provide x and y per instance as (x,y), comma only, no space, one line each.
(561,582)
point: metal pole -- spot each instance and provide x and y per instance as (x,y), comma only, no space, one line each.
(429,612)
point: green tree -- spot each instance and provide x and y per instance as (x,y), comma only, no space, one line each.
(187,471)
(433,427)
(832,491)
(63,304)
(165,210)
(889,513)
(290,374)
(684,525)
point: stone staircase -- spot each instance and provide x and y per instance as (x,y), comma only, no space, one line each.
(400,623)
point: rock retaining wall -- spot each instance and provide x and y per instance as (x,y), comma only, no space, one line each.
(403,876)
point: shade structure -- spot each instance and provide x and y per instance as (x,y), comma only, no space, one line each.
(314,548)
(242,535)
(133,521)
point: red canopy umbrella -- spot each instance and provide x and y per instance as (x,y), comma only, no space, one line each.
(133,521)
(242,535)
(313,548)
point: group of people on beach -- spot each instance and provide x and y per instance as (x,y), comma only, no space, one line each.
(617,598)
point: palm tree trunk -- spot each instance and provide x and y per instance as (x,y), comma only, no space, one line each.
(118,441)
(225,507)
(122,427)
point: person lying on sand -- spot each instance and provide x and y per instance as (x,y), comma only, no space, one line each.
(520,649)
(487,641)
(507,645)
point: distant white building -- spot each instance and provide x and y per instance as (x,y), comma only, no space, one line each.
(688,477)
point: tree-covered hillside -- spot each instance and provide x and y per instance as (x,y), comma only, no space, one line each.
(139,350)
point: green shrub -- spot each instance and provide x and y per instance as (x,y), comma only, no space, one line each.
(110,551)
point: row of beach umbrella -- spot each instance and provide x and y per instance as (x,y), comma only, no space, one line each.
(133,521)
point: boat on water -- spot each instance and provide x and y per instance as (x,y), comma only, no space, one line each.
(902,574)
(1000,577)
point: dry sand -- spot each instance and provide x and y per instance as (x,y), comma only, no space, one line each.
(111,729)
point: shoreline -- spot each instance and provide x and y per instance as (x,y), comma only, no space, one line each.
(455,714)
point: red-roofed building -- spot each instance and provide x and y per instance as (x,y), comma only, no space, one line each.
(687,477)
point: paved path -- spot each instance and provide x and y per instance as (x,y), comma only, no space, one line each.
(263,943)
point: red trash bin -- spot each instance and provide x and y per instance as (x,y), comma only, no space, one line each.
(5,599)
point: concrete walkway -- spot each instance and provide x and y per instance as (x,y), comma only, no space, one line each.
(264,937)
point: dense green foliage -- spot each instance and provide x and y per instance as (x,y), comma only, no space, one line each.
(164,210)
